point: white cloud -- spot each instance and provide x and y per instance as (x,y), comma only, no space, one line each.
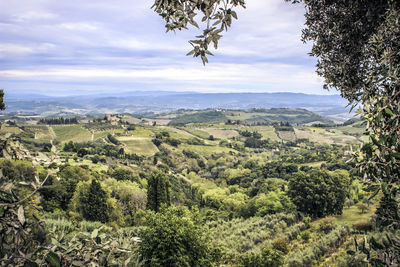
(122,42)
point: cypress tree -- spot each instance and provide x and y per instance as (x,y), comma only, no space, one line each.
(94,204)
(158,191)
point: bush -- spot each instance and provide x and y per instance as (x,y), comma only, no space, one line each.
(174,237)
(363,226)
(327,224)
(319,249)
(281,244)
(269,257)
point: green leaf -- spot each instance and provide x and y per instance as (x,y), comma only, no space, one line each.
(30,264)
(94,233)
(396,155)
(6,197)
(374,194)
(53,259)
(233,13)
(21,215)
(389,111)
(78,263)
(190,53)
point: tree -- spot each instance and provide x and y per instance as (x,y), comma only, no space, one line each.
(91,202)
(2,105)
(174,237)
(158,191)
(363,207)
(319,192)
(356,43)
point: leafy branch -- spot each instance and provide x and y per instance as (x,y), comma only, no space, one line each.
(217,15)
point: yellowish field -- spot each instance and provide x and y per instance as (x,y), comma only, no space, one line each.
(158,121)
(74,133)
(324,137)
(138,145)
(142,132)
(197,132)
(9,129)
(287,135)
(267,132)
(182,133)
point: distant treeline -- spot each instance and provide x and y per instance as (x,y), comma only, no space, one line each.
(60,120)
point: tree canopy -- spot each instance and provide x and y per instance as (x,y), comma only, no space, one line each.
(174,237)
(319,193)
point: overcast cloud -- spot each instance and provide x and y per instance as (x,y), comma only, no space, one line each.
(71,47)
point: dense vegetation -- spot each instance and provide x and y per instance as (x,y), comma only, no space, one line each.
(241,199)
(261,188)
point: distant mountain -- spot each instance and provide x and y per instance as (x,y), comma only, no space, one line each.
(160,101)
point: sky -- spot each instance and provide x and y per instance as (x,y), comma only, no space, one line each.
(89,47)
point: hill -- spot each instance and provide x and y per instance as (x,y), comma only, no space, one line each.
(140,102)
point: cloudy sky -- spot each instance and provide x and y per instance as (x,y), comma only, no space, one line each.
(74,47)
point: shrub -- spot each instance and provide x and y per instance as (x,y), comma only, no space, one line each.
(327,224)
(281,244)
(363,226)
(174,237)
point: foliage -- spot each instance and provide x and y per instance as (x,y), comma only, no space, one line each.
(158,191)
(363,226)
(24,241)
(60,120)
(57,193)
(217,14)
(175,237)
(17,171)
(93,203)
(2,105)
(112,139)
(269,257)
(363,207)
(379,249)
(319,192)
(241,235)
(315,252)
(363,63)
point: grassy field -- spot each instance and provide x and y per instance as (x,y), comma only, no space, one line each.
(9,129)
(97,167)
(267,132)
(182,133)
(197,132)
(138,145)
(221,133)
(142,132)
(323,136)
(352,215)
(207,150)
(74,133)
(287,135)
